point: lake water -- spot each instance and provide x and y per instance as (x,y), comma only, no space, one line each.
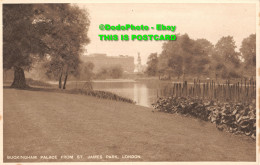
(143,93)
(146,92)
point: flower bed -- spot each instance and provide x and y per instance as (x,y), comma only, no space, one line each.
(238,118)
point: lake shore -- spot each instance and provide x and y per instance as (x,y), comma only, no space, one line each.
(38,123)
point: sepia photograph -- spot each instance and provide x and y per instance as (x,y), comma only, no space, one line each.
(130,82)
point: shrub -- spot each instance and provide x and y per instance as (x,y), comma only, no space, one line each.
(114,72)
(238,118)
(101,94)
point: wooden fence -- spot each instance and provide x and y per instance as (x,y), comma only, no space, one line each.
(240,91)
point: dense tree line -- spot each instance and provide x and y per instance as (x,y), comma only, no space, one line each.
(114,72)
(53,33)
(199,58)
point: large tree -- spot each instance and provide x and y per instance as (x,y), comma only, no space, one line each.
(171,59)
(248,52)
(86,71)
(225,60)
(152,65)
(225,48)
(55,31)
(21,40)
(201,51)
(185,56)
(66,39)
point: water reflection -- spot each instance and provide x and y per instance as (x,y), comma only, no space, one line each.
(141,94)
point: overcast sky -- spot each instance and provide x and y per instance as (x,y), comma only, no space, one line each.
(209,21)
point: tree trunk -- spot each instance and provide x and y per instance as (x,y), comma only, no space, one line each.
(60,81)
(19,79)
(65,80)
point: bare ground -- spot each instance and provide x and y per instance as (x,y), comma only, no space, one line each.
(38,123)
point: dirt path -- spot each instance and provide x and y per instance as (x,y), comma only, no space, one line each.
(40,123)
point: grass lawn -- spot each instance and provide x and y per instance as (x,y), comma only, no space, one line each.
(39,123)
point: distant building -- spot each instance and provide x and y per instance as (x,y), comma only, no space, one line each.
(139,64)
(102,60)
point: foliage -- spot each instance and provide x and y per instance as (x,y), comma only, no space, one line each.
(225,48)
(185,56)
(152,65)
(21,38)
(33,32)
(86,71)
(248,52)
(191,58)
(67,35)
(101,94)
(225,60)
(110,72)
(116,71)
(233,117)
(22,44)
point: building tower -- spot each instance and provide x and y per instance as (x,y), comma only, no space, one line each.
(139,64)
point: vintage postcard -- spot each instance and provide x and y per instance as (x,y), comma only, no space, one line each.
(138,82)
